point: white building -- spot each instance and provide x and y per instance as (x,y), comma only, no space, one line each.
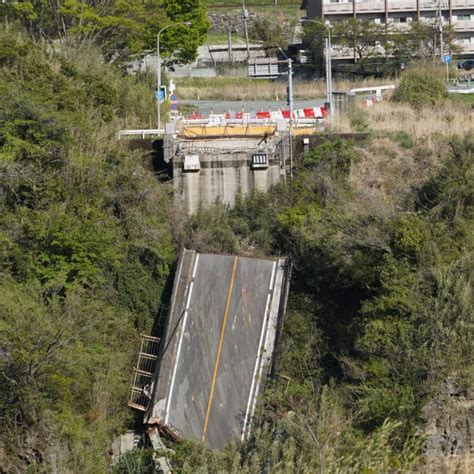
(459,13)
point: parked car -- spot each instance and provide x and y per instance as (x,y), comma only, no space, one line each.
(467,64)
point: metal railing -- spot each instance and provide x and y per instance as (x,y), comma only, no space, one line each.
(142,379)
(141,132)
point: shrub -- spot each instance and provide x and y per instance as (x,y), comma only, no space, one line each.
(334,154)
(404,139)
(359,120)
(420,87)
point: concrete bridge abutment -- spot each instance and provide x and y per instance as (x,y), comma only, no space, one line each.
(210,169)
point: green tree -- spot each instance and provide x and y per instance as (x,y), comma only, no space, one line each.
(314,41)
(418,41)
(269,32)
(363,37)
(123,29)
(180,43)
(85,250)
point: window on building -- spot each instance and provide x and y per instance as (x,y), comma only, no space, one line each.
(464,17)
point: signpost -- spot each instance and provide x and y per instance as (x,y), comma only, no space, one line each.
(161,96)
(447,58)
(174,104)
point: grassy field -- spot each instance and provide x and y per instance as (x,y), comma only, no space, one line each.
(243,88)
(464,99)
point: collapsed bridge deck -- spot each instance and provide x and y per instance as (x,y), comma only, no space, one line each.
(219,344)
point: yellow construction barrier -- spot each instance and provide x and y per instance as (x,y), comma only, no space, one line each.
(241,131)
(224,131)
(305,131)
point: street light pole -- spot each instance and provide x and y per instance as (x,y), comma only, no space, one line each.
(290,104)
(245,15)
(158,67)
(328,56)
(329,53)
(328,77)
(290,100)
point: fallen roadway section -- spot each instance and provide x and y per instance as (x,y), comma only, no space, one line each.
(219,345)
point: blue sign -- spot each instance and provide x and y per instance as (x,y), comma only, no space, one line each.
(162,94)
(447,58)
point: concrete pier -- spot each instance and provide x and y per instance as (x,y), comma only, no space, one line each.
(207,170)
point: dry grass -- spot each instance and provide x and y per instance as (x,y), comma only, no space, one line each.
(238,88)
(339,124)
(385,175)
(445,120)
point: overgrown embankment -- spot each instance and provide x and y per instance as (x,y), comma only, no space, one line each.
(85,248)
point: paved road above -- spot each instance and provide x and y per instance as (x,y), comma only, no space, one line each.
(222,106)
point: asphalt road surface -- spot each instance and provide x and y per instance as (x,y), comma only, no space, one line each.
(212,368)
(220,107)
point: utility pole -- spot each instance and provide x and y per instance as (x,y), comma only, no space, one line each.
(328,75)
(290,103)
(245,15)
(439,14)
(328,57)
(329,70)
(229,43)
(158,79)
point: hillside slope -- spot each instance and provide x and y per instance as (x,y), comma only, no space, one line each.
(86,247)
(379,323)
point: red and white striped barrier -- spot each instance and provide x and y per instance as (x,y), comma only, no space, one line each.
(306,116)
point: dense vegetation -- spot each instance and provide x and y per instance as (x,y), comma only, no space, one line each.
(380,311)
(123,30)
(85,249)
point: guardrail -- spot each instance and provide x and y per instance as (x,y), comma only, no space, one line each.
(141,132)
(378,90)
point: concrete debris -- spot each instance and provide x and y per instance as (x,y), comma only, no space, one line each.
(161,462)
(123,444)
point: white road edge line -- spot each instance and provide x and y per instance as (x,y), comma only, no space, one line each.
(264,325)
(168,402)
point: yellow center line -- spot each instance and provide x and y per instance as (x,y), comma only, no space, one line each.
(219,348)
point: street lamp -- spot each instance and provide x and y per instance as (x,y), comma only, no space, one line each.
(158,64)
(290,104)
(328,54)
